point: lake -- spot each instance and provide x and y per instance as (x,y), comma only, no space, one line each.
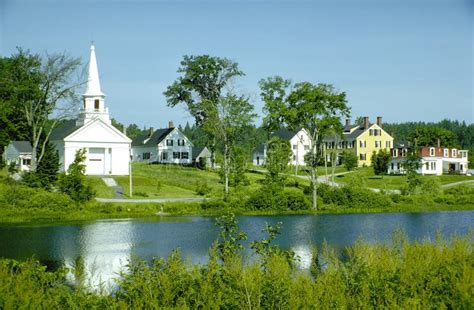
(107,245)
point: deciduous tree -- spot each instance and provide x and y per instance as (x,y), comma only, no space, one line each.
(314,107)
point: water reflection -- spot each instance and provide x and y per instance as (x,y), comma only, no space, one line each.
(103,248)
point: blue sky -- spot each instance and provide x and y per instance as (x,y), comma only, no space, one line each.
(406,60)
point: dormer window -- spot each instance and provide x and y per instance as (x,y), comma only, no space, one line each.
(432,151)
(453,153)
(395,153)
(404,152)
(446,153)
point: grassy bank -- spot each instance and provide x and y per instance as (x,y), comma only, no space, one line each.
(407,275)
(366,174)
(19,203)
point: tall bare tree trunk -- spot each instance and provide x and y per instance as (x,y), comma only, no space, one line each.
(325,163)
(226,170)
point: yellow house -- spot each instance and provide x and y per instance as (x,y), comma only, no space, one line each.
(363,139)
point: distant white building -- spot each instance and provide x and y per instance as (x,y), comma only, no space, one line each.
(108,149)
(18,152)
(434,160)
(202,154)
(299,143)
(166,145)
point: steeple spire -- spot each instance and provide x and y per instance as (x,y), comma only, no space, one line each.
(93,82)
(94,98)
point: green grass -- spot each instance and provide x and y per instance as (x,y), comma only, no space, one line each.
(99,186)
(394,181)
(156,181)
(395,275)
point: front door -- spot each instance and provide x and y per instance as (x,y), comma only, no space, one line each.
(95,163)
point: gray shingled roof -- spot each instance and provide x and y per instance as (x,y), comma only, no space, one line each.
(260,148)
(64,130)
(155,138)
(197,150)
(22,146)
(284,134)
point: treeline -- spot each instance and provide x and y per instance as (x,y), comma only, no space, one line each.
(434,275)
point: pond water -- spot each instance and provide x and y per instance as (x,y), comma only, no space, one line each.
(105,246)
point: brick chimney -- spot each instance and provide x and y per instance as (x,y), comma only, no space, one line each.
(348,122)
(379,121)
(439,142)
(366,122)
(170,124)
(124,131)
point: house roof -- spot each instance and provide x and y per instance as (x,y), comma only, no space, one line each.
(154,139)
(284,134)
(349,127)
(197,150)
(64,130)
(22,146)
(260,148)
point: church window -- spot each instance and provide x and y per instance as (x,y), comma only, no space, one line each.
(96,104)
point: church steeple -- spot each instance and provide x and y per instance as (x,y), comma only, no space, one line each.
(93,82)
(94,98)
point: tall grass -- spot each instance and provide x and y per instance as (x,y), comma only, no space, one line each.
(438,275)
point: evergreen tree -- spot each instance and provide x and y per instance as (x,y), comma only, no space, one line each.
(72,183)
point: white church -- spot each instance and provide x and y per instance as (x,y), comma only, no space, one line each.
(108,149)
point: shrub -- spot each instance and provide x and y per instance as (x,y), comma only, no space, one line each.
(213,204)
(296,200)
(202,188)
(431,186)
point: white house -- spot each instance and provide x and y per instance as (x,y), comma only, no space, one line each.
(202,153)
(434,160)
(18,152)
(108,150)
(299,142)
(166,145)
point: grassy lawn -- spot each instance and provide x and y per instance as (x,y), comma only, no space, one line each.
(395,181)
(99,186)
(321,170)
(156,181)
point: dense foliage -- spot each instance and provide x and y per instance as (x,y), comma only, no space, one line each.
(72,183)
(407,275)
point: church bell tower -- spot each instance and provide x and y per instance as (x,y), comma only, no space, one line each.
(93,99)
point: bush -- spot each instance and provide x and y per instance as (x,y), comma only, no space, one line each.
(431,186)
(213,204)
(202,188)
(278,200)
(348,196)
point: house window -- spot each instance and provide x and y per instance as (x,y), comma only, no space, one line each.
(392,166)
(446,153)
(404,152)
(463,154)
(395,153)
(433,165)
(180,142)
(306,147)
(371,132)
(146,155)
(362,143)
(164,156)
(184,155)
(169,142)
(176,155)
(362,156)
(377,143)
(387,143)
(453,153)
(427,166)
(432,151)
(294,146)
(26,162)
(96,104)
(294,157)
